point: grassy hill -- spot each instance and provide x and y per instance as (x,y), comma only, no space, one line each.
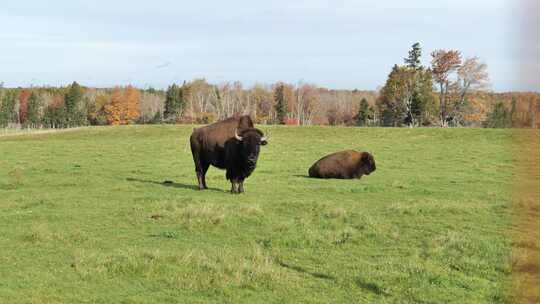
(85,217)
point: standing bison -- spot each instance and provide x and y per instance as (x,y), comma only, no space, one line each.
(344,165)
(232,144)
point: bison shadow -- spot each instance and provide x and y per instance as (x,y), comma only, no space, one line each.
(171,184)
(299,269)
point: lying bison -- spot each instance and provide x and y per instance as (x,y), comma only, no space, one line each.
(345,165)
(232,144)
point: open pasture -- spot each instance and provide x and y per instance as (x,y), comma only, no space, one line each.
(85,217)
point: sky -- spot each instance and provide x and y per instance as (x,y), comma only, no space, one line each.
(529,50)
(340,44)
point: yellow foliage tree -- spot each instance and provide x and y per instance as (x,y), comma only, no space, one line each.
(132,99)
(124,106)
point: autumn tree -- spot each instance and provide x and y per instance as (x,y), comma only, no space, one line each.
(443,64)
(23,105)
(152,106)
(132,98)
(114,109)
(202,98)
(407,93)
(96,111)
(228,99)
(264,103)
(290,99)
(307,99)
(123,108)
(472,75)
(55,114)
(396,96)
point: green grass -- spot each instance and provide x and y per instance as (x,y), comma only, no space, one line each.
(85,217)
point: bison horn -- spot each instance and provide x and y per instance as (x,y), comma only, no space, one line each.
(237,136)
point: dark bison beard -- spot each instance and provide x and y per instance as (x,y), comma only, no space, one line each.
(243,168)
(248,165)
(251,164)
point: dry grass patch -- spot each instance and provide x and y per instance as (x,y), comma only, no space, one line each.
(250,210)
(336,213)
(225,268)
(206,214)
(202,214)
(199,270)
(40,233)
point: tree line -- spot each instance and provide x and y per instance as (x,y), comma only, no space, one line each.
(450,91)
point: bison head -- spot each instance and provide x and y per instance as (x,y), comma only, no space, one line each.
(367,163)
(251,140)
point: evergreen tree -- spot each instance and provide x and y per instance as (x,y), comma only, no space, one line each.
(32,113)
(513,114)
(174,103)
(73,97)
(7,108)
(394,96)
(157,119)
(406,96)
(55,117)
(413,60)
(422,98)
(422,86)
(364,113)
(281,103)
(500,117)
(75,115)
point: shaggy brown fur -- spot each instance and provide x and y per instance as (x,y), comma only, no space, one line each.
(344,165)
(217,145)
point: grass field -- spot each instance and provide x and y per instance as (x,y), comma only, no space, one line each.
(85,217)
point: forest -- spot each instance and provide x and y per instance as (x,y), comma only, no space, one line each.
(453,91)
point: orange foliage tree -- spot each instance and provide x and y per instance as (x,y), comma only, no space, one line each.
(132,99)
(123,108)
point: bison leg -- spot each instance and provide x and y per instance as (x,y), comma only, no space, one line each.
(198,166)
(201,168)
(200,180)
(204,168)
(234,187)
(241,187)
